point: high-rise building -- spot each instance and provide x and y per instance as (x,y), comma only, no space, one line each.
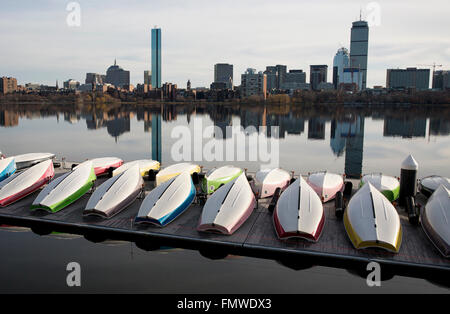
(282,70)
(8,85)
(147,77)
(441,80)
(223,73)
(317,75)
(341,60)
(253,84)
(117,76)
(359,47)
(408,78)
(156,57)
(271,73)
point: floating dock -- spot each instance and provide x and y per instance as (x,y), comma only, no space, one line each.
(256,238)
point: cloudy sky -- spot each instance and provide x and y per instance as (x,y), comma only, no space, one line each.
(39,46)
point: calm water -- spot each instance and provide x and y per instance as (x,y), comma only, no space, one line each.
(349,141)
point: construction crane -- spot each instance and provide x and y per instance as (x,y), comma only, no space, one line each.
(434,66)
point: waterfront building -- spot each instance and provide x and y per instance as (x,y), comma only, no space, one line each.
(317,75)
(117,76)
(156,58)
(341,60)
(271,73)
(253,84)
(359,47)
(351,79)
(148,77)
(71,84)
(95,78)
(282,71)
(223,73)
(413,78)
(441,80)
(295,79)
(8,85)
(324,86)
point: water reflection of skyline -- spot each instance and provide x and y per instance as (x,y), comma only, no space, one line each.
(346,135)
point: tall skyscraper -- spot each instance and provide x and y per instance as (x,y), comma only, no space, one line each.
(359,47)
(223,73)
(317,75)
(341,60)
(156,58)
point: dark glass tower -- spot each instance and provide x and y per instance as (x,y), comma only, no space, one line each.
(156,58)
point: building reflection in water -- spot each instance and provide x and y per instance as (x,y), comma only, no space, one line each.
(347,134)
(316,128)
(116,124)
(9,118)
(354,148)
(439,126)
(404,127)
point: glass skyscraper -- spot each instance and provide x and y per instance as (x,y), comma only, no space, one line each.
(359,46)
(156,58)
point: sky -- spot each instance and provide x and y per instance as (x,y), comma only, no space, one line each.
(39,46)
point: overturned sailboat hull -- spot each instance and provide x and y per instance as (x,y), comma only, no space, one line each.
(22,184)
(436,220)
(31,159)
(326,184)
(145,166)
(269,180)
(372,221)
(388,186)
(167,201)
(174,170)
(115,194)
(228,208)
(217,177)
(7,168)
(66,189)
(299,213)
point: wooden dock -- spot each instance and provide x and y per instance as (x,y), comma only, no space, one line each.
(257,238)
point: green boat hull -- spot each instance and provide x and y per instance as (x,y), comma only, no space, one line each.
(210,186)
(71,199)
(391,195)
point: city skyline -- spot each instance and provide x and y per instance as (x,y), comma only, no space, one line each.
(190,48)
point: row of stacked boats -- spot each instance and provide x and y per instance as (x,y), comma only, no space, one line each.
(370,218)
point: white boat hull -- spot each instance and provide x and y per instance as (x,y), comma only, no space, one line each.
(167,201)
(326,184)
(174,170)
(144,165)
(66,189)
(31,159)
(436,220)
(372,221)
(116,194)
(104,164)
(7,168)
(22,184)
(299,213)
(228,208)
(267,181)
